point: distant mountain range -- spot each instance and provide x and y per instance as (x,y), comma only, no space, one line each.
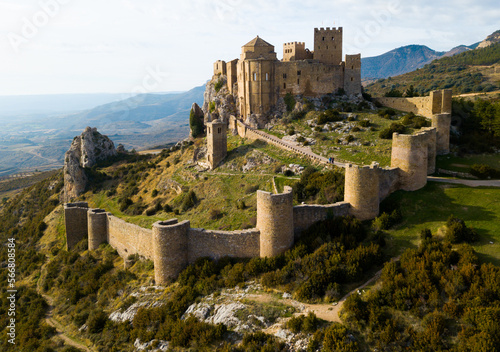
(30,140)
(411,57)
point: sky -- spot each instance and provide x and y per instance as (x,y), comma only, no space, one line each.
(138,46)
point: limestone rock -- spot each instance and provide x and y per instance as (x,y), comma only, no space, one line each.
(218,104)
(198,115)
(85,151)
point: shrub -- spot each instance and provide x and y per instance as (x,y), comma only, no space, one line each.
(394,128)
(300,139)
(483,171)
(349,138)
(355,129)
(154,193)
(189,201)
(364,123)
(387,112)
(302,323)
(291,131)
(457,231)
(240,204)
(167,208)
(218,85)
(289,102)
(214,214)
(96,321)
(289,173)
(330,115)
(211,106)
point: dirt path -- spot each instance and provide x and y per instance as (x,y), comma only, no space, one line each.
(51,321)
(68,340)
(328,312)
(469,183)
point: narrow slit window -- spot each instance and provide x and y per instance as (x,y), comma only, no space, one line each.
(255,76)
(267,76)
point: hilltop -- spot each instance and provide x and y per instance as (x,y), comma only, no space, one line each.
(472,71)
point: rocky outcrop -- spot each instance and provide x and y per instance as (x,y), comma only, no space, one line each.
(219,103)
(196,121)
(85,151)
(490,40)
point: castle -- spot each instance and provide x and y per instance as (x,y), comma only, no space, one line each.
(259,79)
(172,245)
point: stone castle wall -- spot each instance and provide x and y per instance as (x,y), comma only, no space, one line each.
(304,216)
(129,238)
(218,244)
(438,102)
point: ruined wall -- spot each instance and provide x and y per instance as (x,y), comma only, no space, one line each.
(218,244)
(170,249)
(362,188)
(275,222)
(129,239)
(75,221)
(97,228)
(304,216)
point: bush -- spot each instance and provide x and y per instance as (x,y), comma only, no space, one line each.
(364,123)
(330,115)
(96,321)
(355,129)
(302,323)
(189,201)
(240,204)
(458,232)
(484,172)
(394,128)
(154,193)
(218,85)
(167,208)
(349,138)
(214,214)
(289,102)
(387,112)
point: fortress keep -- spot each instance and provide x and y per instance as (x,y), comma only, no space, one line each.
(259,79)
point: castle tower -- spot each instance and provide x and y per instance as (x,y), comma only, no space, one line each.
(295,51)
(275,222)
(97,227)
(328,45)
(216,142)
(410,154)
(352,74)
(75,221)
(442,123)
(256,78)
(361,190)
(170,249)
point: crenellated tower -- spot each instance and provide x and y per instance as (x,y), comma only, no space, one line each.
(328,45)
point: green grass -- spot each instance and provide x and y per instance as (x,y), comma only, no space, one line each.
(431,206)
(281,182)
(463,164)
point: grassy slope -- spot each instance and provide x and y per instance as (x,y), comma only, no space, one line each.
(464,73)
(431,206)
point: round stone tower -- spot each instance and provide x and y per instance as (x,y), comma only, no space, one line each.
(97,227)
(275,222)
(410,155)
(362,186)
(170,249)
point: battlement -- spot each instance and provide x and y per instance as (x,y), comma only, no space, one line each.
(295,44)
(328,29)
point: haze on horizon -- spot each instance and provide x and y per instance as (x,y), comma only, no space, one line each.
(131,46)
